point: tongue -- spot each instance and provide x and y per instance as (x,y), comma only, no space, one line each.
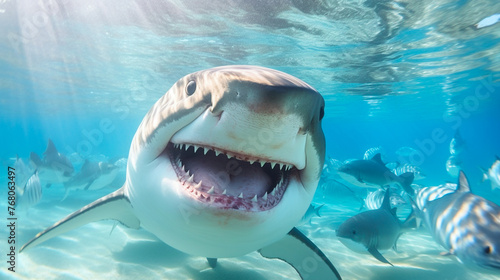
(233,175)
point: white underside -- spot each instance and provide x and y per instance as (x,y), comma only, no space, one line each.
(200,229)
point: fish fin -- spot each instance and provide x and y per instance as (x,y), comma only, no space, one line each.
(463,183)
(212,262)
(35,159)
(359,179)
(395,246)
(406,179)
(113,206)
(386,203)
(88,185)
(51,148)
(378,158)
(113,228)
(301,253)
(497,157)
(317,210)
(375,253)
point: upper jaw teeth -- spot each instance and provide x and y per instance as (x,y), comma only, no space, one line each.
(273,164)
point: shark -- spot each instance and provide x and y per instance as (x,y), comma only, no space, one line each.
(54,167)
(225,163)
(466,225)
(374,230)
(92,176)
(373,173)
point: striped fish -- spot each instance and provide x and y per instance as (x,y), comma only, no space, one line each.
(31,193)
(374,199)
(417,172)
(466,225)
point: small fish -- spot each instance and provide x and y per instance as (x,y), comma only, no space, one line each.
(374,199)
(493,174)
(310,213)
(374,230)
(54,167)
(488,21)
(457,144)
(31,193)
(417,172)
(466,225)
(453,165)
(373,174)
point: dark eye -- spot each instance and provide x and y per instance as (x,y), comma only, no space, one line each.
(191,87)
(353,232)
(487,250)
(321,113)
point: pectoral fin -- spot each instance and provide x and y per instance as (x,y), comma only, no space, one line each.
(303,255)
(212,262)
(113,206)
(378,256)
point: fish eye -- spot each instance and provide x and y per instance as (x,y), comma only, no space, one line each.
(353,232)
(191,87)
(487,250)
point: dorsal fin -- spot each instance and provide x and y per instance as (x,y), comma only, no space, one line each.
(497,157)
(386,203)
(51,148)
(463,183)
(378,158)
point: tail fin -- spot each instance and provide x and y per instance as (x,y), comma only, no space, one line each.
(406,179)
(317,210)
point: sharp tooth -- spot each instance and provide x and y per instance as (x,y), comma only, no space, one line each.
(251,161)
(205,151)
(273,164)
(224,192)
(280,166)
(191,179)
(211,190)
(273,192)
(254,199)
(241,195)
(262,163)
(195,148)
(216,152)
(186,147)
(229,155)
(197,186)
(265,196)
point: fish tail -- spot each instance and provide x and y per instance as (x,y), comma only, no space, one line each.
(317,210)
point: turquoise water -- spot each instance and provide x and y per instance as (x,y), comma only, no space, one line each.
(391,72)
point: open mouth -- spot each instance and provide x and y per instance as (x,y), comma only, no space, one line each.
(227,180)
